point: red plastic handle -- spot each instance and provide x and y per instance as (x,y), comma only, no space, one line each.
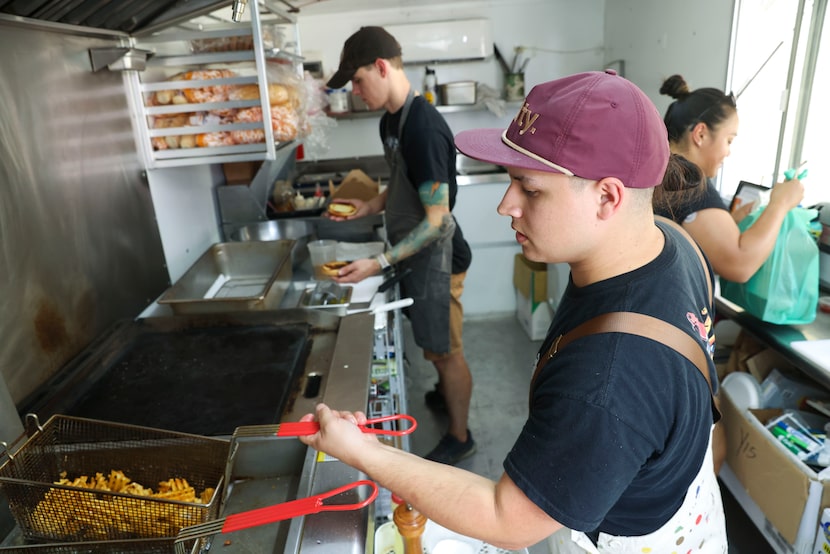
(304,428)
(299,507)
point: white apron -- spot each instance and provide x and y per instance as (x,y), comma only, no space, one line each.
(698,526)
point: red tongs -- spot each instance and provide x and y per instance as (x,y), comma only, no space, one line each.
(304,428)
(278,512)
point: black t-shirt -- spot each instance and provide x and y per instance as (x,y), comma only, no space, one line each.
(709,198)
(428,148)
(619,424)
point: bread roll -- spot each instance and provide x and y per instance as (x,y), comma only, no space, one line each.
(332,269)
(341,209)
(277,94)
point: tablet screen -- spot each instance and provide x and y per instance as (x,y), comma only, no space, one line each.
(749,193)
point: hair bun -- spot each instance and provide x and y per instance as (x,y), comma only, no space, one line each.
(676,87)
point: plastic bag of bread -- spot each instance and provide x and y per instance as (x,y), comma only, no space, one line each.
(167,97)
(196,95)
(284,122)
(172,141)
(215,138)
(209,93)
(222,44)
(278,94)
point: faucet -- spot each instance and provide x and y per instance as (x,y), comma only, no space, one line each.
(238,9)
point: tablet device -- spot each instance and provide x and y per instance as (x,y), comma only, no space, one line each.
(749,193)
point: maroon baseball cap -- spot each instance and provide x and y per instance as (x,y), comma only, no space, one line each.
(591,125)
(362,48)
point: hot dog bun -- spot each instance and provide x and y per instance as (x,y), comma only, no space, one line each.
(333,268)
(341,210)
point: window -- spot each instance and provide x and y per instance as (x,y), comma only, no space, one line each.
(776,48)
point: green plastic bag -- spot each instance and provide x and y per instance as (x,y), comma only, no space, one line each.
(785,289)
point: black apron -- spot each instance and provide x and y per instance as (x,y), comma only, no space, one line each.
(429,282)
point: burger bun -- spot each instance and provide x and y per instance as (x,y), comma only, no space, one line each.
(332,269)
(341,209)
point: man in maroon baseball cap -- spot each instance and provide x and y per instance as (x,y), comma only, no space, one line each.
(615,454)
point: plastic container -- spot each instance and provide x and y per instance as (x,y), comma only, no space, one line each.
(459,93)
(430,86)
(320,252)
(338,100)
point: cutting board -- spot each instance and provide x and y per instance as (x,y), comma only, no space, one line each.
(817,351)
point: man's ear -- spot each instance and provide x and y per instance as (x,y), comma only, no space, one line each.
(610,192)
(382,66)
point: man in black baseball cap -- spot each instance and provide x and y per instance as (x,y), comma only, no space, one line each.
(425,239)
(363,48)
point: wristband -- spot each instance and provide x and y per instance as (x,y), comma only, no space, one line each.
(381,259)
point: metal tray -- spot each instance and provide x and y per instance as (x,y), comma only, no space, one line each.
(232,277)
(327,296)
(73,447)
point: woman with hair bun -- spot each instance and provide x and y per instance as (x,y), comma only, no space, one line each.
(701,126)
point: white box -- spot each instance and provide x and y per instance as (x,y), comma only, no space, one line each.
(535,319)
(432,41)
(532,308)
(822,544)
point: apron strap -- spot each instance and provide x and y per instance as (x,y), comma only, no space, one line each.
(645,326)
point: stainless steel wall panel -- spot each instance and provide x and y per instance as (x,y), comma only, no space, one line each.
(79,246)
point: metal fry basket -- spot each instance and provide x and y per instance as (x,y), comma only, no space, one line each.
(138,546)
(72,447)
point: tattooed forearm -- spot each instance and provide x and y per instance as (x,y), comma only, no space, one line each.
(421,236)
(438,222)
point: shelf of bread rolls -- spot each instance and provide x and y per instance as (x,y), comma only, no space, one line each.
(206,86)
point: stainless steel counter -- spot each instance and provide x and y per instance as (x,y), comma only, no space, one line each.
(285,469)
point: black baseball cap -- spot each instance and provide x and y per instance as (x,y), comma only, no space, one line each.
(363,48)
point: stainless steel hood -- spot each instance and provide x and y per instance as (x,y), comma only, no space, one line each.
(133,17)
(115,15)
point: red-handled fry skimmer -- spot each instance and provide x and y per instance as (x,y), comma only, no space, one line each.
(278,512)
(302,428)
(305,428)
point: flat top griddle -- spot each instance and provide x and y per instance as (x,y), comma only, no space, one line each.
(205,375)
(200,381)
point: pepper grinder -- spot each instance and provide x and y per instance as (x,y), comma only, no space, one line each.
(410,523)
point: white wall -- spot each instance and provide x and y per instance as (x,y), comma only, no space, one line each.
(658,38)
(561,37)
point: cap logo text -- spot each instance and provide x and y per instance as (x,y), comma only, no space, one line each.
(525,120)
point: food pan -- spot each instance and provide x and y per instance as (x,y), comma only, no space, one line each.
(70,447)
(299,230)
(234,277)
(327,296)
(459,93)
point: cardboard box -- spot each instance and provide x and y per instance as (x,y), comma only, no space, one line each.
(240,173)
(787,491)
(356,184)
(532,308)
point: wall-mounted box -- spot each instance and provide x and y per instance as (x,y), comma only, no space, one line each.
(441,41)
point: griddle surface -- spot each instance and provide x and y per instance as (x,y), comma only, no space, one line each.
(202,381)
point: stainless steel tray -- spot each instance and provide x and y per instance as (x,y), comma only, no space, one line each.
(327,296)
(232,277)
